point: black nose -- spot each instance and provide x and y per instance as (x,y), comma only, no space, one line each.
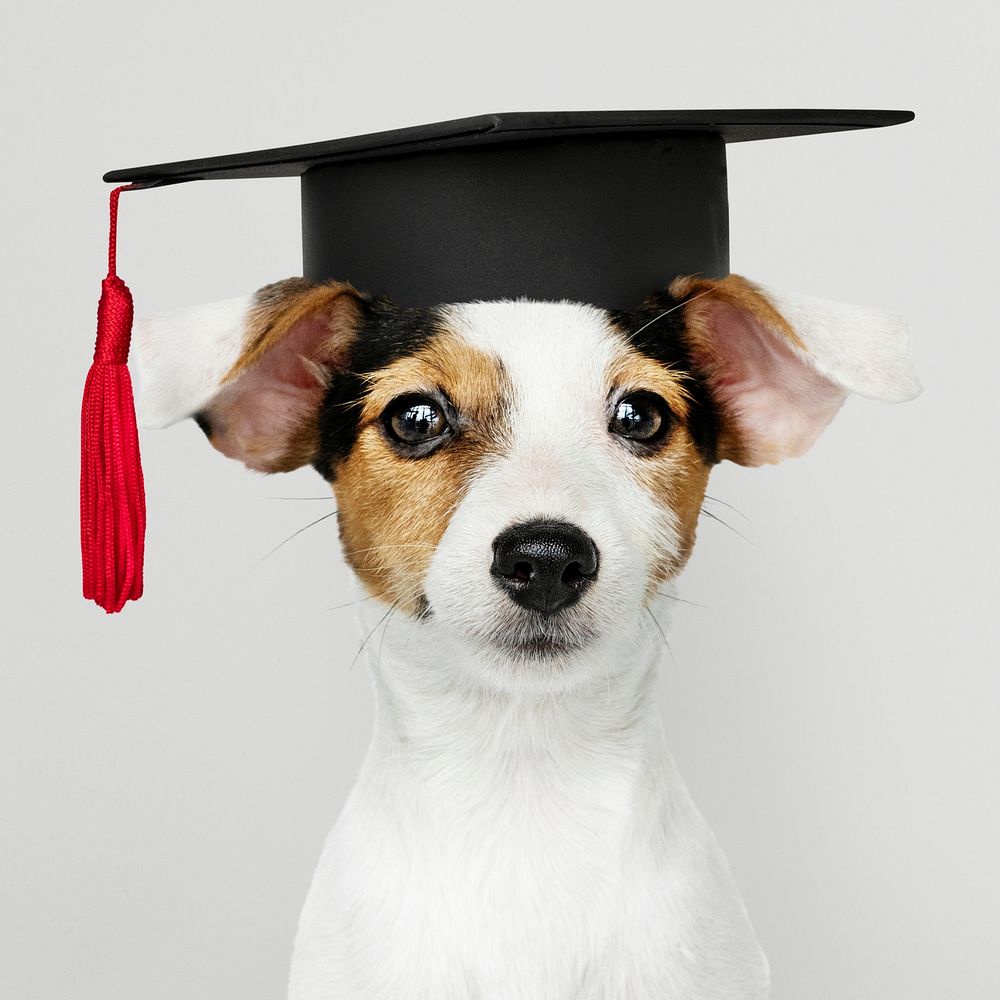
(545,565)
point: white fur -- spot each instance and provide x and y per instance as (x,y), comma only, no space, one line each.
(181,357)
(531,842)
(863,350)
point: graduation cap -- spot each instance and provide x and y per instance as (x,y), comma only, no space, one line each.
(596,207)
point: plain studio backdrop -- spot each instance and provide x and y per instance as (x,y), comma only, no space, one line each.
(168,774)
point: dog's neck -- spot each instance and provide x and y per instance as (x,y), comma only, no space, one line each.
(442,714)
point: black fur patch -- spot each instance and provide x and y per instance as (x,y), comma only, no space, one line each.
(387,333)
(656,330)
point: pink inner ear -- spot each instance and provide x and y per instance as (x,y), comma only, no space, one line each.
(256,416)
(310,338)
(773,399)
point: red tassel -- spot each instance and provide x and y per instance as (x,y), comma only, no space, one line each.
(112,498)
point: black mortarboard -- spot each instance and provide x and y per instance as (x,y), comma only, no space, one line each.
(594,206)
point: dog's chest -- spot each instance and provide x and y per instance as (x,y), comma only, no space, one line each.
(509,890)
(537,860)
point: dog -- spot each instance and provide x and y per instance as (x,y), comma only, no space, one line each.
(518,485)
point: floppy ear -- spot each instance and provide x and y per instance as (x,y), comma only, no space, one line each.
(252,371)
(780,366)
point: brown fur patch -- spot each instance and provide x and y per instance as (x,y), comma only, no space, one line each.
(632,371)
(679,478)
(677,473)
(393,510)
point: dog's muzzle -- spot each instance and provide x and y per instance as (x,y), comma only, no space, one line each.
(544,565)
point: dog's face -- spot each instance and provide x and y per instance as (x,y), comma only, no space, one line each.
(523,476)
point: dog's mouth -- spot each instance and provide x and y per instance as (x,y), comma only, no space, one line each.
(540,648)
(537,638)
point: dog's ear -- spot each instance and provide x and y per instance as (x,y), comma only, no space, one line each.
(251,371)
(780,366)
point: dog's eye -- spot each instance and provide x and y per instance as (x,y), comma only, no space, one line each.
(641,416)
(416,421)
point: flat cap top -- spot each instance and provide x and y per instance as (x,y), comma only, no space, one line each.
(485,130)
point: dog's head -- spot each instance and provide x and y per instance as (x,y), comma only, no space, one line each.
(521,475)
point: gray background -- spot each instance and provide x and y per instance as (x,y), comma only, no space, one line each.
(168,774)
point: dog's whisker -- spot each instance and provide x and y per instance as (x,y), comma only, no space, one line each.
(370,634)
(385,628)
(389,547)
(678,600)
(352,604)
(735,510)
(663,635)
(726,524)
(295,534)
(673,309)
(402,598)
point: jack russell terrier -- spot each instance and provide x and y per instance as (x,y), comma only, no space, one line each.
(517,483)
